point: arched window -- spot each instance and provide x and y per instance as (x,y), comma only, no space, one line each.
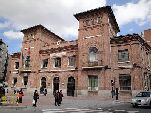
(93,54)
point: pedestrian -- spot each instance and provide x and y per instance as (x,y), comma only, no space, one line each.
(60,96)
(57,97)
(21,94)
(14,91)
(35,97)
(17,96)
(45,91)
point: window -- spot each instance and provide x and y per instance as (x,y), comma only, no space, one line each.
(143,94)
(98,20)
(87,22)
(45,63)
(16,65)
(27,61)
(71,61)
(93,54)
(123,55)
(93,83)
(57,62)
(125,82)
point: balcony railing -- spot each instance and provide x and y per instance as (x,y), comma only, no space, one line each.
(25,69)
(93,65)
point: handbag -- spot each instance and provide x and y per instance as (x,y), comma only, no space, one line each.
(33,102)
(37,97)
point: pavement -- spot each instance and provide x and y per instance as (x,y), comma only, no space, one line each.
(46,103)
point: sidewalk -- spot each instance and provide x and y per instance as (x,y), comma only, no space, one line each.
(47,102)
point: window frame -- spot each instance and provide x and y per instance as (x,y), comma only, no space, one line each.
(93,53)
(71,58)
(16,65)
(43,65)
(121,53)
(55,62)
(93,83)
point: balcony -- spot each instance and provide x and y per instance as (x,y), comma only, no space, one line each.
(93,65)
(25,69)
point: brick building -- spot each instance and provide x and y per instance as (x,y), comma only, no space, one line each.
(96,63)
(3,61)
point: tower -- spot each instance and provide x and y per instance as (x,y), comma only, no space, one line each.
(96,27)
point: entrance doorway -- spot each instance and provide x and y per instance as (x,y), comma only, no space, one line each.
(25,80)
(14,81)
(55,84)
(43,85)
(43,82)
(70,86)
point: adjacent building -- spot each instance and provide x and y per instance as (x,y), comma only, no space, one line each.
(3,61)
(97,63)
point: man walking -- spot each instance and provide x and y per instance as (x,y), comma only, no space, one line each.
(57,98)
(35,97)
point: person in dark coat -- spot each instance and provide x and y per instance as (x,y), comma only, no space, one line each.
(57,97)
(60,96)
(35,97)
(21,94)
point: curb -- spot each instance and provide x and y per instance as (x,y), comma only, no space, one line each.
(13,107)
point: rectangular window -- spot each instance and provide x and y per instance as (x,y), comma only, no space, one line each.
(125,82)
(123,55)
(93,83)
(71,61)
(57,62)
(27,61)
(16,65)
(45,63)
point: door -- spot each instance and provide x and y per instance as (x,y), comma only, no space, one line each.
(25,80)
(70,86)
(43,85)
(55,84)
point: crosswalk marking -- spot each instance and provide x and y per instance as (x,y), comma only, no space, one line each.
(119,110)
(76,110)
(132,111)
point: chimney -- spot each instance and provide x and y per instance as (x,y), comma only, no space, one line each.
(147,35)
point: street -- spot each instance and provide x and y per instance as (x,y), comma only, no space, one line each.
(73,105)
(120,108)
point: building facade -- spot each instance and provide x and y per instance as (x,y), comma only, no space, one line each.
(3,61)
(97,63)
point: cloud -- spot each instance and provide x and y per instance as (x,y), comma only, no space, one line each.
(56,15)
(13,35)
(133,12)
(4,25)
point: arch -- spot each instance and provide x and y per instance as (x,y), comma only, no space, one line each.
(71,86)
(93,51)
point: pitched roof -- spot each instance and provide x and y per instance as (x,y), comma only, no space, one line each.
(42,27)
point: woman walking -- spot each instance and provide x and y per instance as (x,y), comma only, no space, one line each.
(35,97)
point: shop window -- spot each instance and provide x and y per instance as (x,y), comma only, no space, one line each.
(123,55)
(92,83)
(125,82)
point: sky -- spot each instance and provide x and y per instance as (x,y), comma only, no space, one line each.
(133,16)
